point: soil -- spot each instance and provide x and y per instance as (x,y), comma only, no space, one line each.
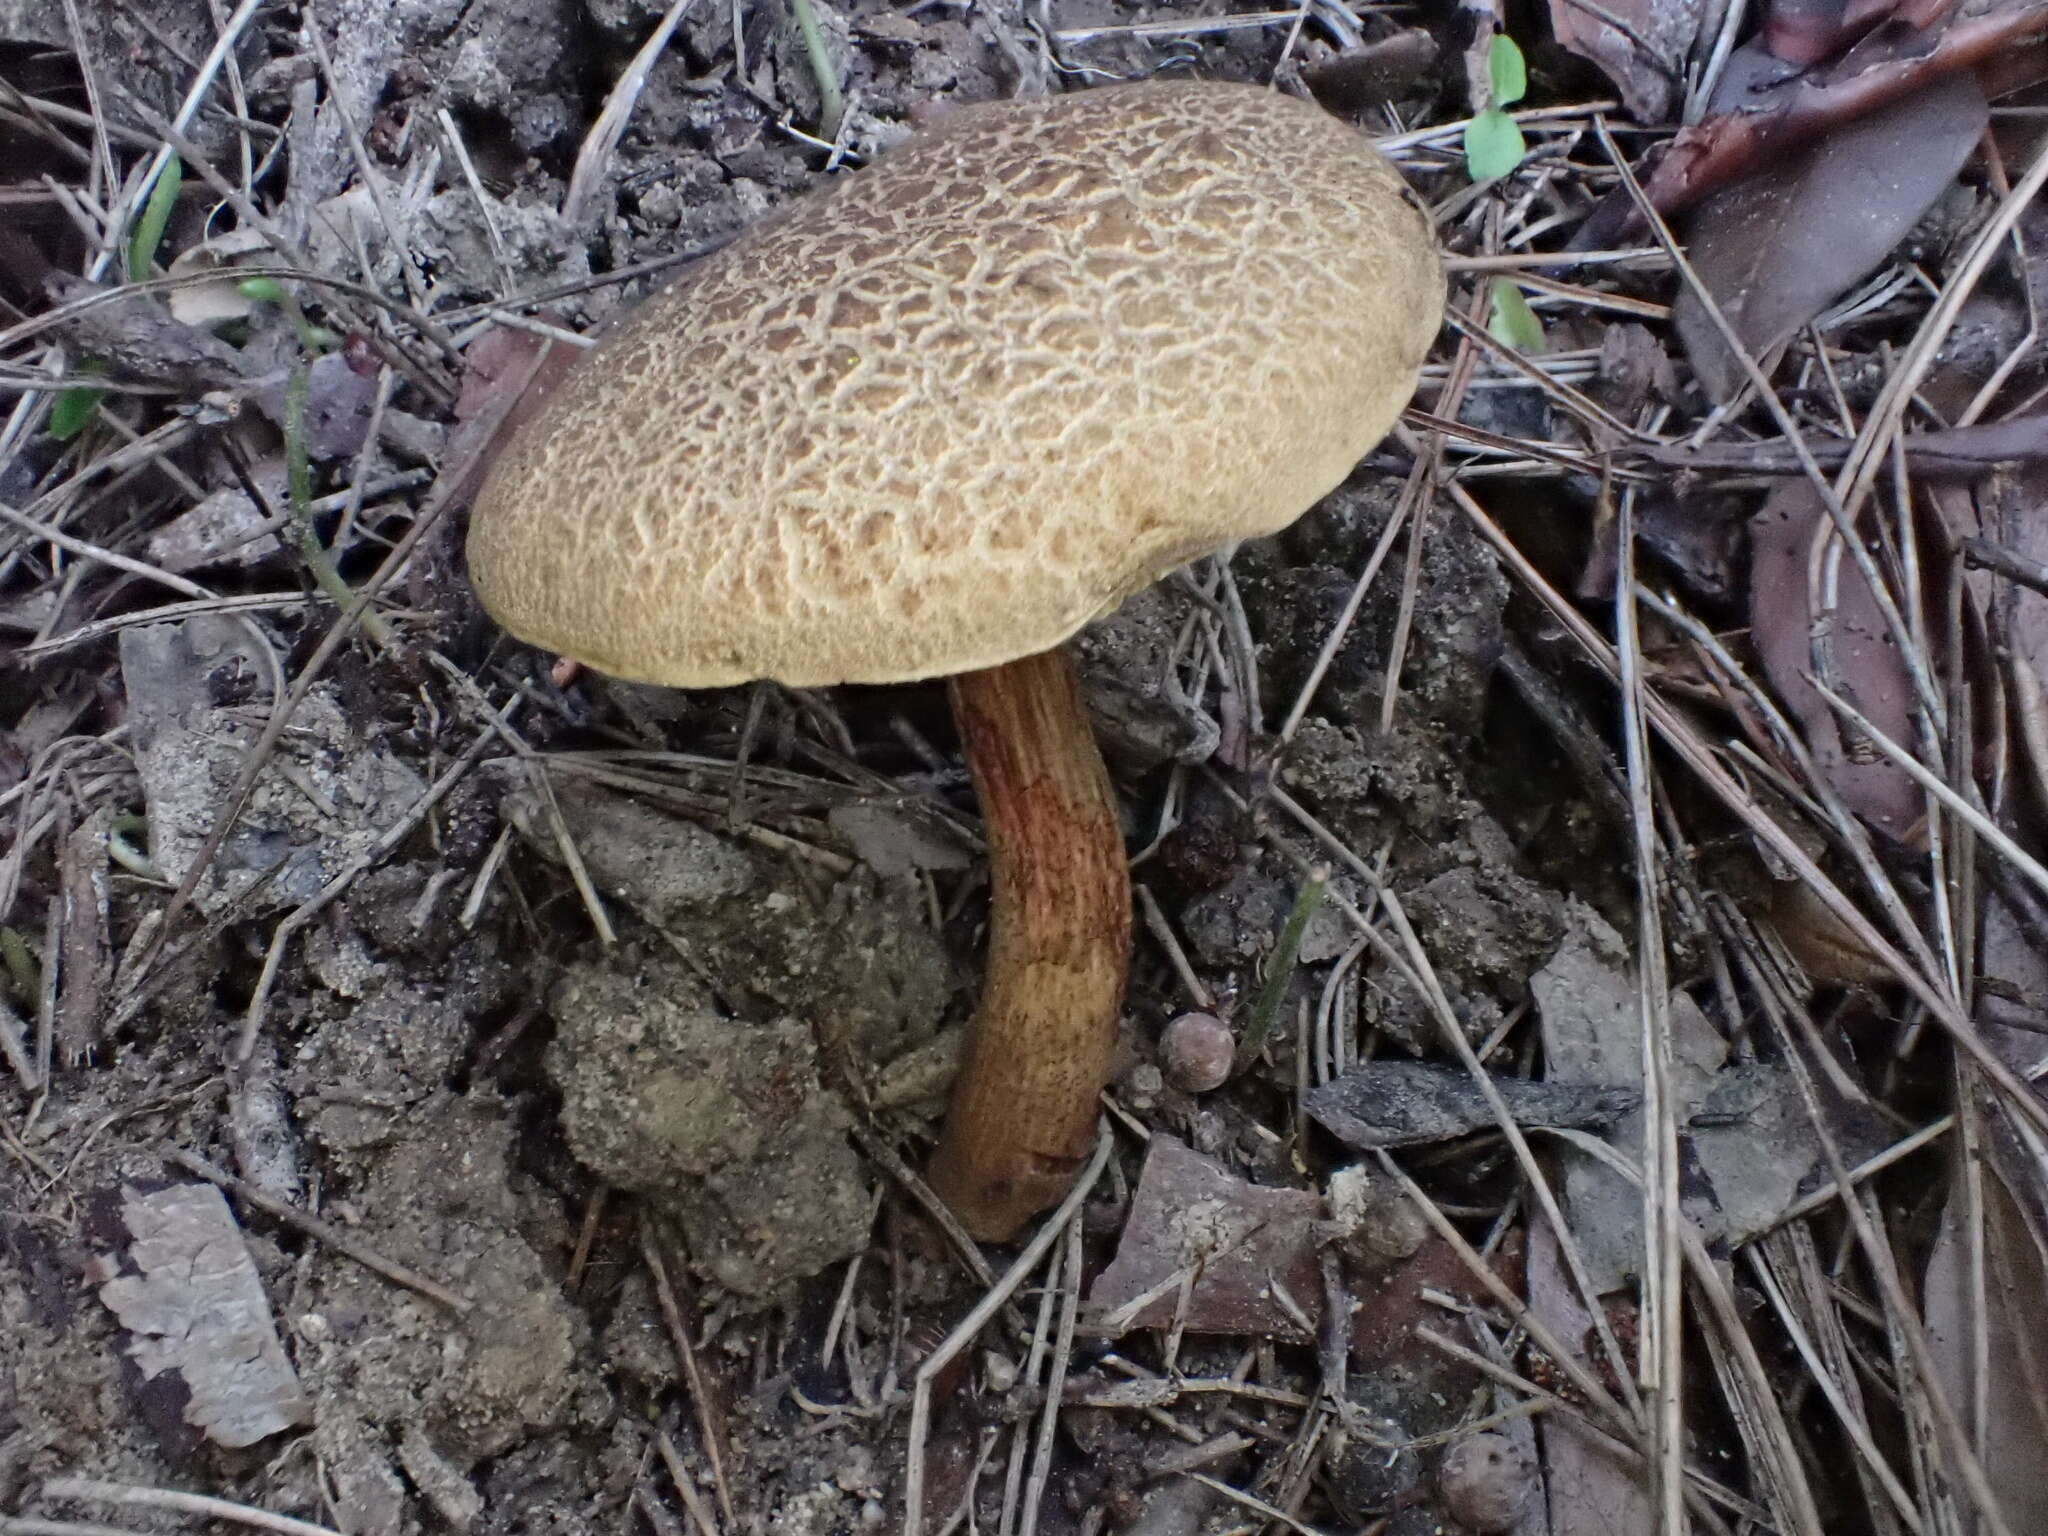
(577,1136)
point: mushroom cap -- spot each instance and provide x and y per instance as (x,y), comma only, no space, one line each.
(945,411)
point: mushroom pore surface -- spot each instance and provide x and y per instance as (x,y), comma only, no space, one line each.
(944,411)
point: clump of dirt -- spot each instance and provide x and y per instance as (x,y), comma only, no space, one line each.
(724,1123)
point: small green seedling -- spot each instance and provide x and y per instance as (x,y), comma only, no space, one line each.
(1512,322)
(76,406)
(148,233)
(1493,140)
(268,290)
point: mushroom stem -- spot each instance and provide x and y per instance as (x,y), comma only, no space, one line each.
(1024,1107)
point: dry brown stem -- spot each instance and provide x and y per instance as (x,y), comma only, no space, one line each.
(1022,1118)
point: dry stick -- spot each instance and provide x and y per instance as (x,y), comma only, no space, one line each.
(1411,498)
(595,153)
(1662,1360)
(885,1157)
(1853,1424)
(1619,1421)
(1983,555)
(1055,1380)
(92,1490)
(1517,261)
(1961,1455)
(1777,1445)
(326,1232)
(709,1426)
(1422,485)
(686,1485)
(120,562)
(27,1525)
(1703,1487)
(1914,769)
(1873,445)
(1822,804)
(970,1326)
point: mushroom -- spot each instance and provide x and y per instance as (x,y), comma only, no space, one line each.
(931,420)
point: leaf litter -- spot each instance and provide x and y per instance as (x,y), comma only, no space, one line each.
(573,1045)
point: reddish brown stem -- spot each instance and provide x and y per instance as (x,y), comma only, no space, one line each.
(1022,1120)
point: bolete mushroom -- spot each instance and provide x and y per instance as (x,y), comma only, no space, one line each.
(931,420)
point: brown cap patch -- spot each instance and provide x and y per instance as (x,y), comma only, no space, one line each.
(943,412)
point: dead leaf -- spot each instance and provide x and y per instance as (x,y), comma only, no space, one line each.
(1873,677)
(193,1304)
(1641,45)
(1893,64)
(1592,1491)
(1364,79)
(338,405)
(1229,1243)
(221,299)
(895,842)
(507,373)
(1774,250)
(1746,1133)
(2006,1367)
(1405,1103)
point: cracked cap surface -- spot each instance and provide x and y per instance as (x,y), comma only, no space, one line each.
(946,410)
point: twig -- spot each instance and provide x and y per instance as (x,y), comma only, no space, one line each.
(92,1490)
(327,1233)
(593,157)
(1983,555)
(969,1328)
(709,1426)
(299,490)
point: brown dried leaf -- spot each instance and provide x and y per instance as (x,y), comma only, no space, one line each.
(1592,1491)
(193,1304)
(1774,250)
(2006,1367)
(1236,1240)
(1645,55)
(1406,1103)
(1781,626)
(507,374)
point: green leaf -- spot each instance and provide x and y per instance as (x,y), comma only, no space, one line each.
(264,290)
(156,213)
(1506,71)
(1493,145)
(1512,322)
(74,408)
